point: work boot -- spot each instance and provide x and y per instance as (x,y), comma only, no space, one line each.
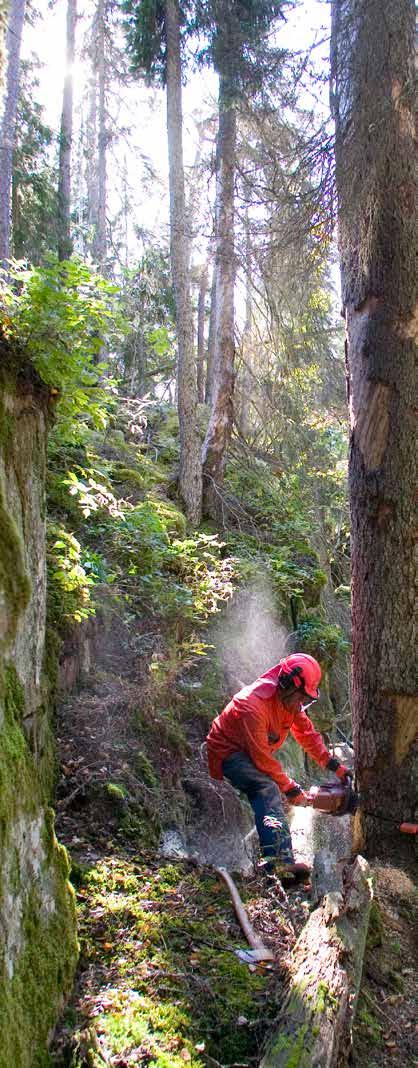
(294,873)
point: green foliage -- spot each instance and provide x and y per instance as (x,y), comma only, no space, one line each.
(237,39)
(62,315)
(324,640)
(148,352)
(69,580)
(34,184)
(146,38)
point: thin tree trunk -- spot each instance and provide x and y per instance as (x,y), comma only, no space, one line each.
(244,422)
(100,237)
(220,423)
(66,137)
(201,308)
(91,153)
(7,133)
(210,359)
(190,476)
(373,68)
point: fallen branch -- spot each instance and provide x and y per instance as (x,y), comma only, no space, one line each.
(259,950)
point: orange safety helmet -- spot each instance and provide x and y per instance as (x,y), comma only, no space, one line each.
(303,672)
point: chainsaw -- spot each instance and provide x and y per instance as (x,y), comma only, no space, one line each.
(333,798)
(341,799)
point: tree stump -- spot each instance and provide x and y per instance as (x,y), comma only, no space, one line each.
(315,1021)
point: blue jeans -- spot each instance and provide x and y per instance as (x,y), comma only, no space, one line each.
(265,800)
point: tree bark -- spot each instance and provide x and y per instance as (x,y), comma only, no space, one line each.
(65,246)
(220,423)
(190,475)
(91,151)
(4,8)
(243,417)
(372,96)
(210,359)
(201,308)
(7,133)
(100,235)
(314,1026)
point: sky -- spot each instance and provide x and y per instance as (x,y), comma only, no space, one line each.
(143,110)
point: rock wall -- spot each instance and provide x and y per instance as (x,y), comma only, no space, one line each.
(37,918)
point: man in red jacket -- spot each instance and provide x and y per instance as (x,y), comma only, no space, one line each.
(243,738)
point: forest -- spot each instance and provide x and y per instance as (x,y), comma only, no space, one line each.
(208,324)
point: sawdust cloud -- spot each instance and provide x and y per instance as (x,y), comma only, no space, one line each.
(251,637)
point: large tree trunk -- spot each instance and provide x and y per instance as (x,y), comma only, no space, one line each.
(66,136)
(190,476)
(3,28)
(220,423)
(373,68)
(7,133)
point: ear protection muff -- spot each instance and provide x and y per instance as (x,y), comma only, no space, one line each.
(291,680)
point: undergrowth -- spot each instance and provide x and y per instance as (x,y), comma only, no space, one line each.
(161,984)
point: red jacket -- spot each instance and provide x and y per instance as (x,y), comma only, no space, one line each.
(258,726)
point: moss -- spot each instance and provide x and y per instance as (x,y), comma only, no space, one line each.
(6,429)
(369,1021)
(294,1049)
(145,769)
(30,1000)
(375,929)
(174,520)
(324,998)
(14,579)
(14,695)
(116,792)
(127,474)
(160,913)
(17,769)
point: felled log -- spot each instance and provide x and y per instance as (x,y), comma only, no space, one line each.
(314,1026)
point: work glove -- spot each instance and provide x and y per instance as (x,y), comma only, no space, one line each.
(297,796)
(340,771)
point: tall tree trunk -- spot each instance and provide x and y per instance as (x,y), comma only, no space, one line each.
(100,237)
(210,358)
(201,308)
(244,413)
(4,8)
(66,136)
(373,68)
(190,477)
(92,188)
(220,423)
(7,133)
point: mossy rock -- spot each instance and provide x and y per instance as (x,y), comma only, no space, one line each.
(174,520)
(129,475)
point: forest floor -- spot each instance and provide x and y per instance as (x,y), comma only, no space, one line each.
(159,983)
